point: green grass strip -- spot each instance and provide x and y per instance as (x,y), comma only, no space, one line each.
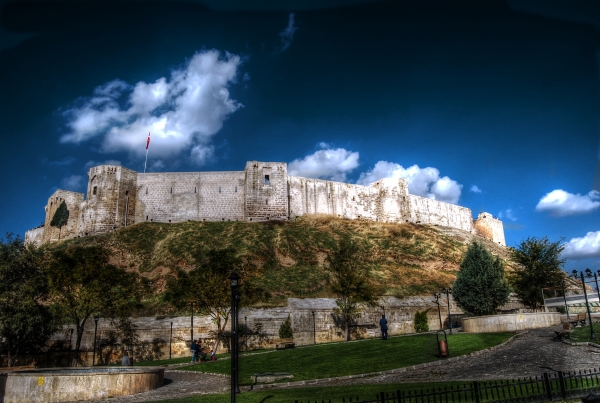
(360,357)
(583,333)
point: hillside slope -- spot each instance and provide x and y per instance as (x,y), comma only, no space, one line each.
(405,259)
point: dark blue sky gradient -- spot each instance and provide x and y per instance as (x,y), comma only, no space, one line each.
(502,95)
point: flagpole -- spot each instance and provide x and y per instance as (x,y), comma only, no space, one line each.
(146,160)
(147,145)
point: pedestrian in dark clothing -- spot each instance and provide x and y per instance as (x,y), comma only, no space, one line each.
(384,329)
(194,349)
(201,353)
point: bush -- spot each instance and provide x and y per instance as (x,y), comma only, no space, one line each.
(421,322)
(285,330)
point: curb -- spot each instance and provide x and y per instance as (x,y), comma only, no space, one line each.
(388,372)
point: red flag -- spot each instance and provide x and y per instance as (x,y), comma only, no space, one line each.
(148,141)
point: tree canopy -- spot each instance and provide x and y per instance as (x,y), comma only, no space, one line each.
(481,285)
(538,266)
(207,285)
(350,282)
(25,323)
(83,283)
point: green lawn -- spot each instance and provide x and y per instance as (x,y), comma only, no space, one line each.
(360,357)
(583,333)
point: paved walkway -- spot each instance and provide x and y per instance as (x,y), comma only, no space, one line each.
(528,354)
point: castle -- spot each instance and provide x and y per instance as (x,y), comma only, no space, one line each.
(117,197)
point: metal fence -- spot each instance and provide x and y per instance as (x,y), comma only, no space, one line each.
(544,388)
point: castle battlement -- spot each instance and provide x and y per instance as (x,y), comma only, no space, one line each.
(117,197)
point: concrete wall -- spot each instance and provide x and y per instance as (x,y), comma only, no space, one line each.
(56,386)
(510,322)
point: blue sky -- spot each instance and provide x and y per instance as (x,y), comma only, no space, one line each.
(491,105)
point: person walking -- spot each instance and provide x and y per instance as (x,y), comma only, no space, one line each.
(384,328)
(194,349)
(125,360)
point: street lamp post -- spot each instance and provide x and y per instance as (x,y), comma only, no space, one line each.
(234,280)
(448,291)
(246,331)
(192,324)
(96,318)
(562,283)
(437,301)
(592,335)
(314,328)
(588,273)
(171,341)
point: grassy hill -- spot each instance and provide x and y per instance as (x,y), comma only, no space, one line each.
(405,259)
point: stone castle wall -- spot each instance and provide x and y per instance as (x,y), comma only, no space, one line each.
(118,197)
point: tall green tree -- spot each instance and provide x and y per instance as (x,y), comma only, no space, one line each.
(350,282)
(83,283)
(60,217)
(481,285)
(207,286)
(25,323)
(538,266)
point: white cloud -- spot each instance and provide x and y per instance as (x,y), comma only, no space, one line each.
(328,163)
(73,182)
(288,33)
(182,113)
(424,182)
(474,189)
(581,248)
(508,213)
(561,203)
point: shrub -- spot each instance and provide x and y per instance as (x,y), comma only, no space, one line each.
(421,322)
(285,330)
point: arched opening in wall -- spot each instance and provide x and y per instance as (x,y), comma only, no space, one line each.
(219,189)
(194,189)
(146,218)
(267,181)
(169,220)
(251,219)
(146,190)
(95,190)
(236,189)
(171,189)
(126,192)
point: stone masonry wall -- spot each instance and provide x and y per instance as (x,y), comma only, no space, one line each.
(489,227)
(428,211)
(184,196)
(73,201)
(117,197)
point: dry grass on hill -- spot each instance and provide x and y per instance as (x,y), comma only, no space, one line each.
(405,259)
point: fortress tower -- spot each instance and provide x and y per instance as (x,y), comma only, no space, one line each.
(117,197)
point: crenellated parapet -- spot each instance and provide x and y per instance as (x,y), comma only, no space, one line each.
(117,197)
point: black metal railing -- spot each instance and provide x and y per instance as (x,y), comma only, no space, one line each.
(547,387)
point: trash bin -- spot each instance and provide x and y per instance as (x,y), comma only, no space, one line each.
(442,344)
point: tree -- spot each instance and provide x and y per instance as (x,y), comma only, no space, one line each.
(82,283)
(350,282)
(421,321)
(207,285)
(285,330)
(538,266)
(60,217)
(25,323)
(481,285)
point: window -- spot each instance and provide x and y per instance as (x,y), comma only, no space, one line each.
(267,182)
(171,192)
(146,218)
(126,192)
(236,189)
(95,190)
(219,189)
(194,189)
(146,190)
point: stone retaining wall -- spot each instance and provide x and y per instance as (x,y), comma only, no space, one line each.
(510,322)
